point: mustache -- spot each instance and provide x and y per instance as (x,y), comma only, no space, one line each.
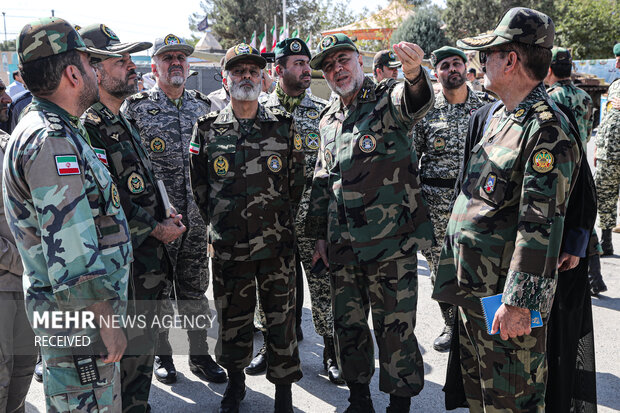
(174,67)
(247,82)
(131,72)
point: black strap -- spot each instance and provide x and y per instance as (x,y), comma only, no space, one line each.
(438,182)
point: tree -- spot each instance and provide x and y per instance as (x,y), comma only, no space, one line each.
(423,28)
(9,45)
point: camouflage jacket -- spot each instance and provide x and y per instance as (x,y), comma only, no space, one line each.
(366,199)
(307,138)
(247,185)
(219,99)
(65,213)
(439,137)
(608,136)
(505,231)
(11,268)
(118,146)
(566,93)
(166,131)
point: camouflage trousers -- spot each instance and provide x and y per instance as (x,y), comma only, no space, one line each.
(607,180)
(439,202)
(234,289)
(18,355)
(64,393)
(498,375)
(390,290)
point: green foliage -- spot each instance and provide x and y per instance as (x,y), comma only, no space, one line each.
(423,28)
(9,45)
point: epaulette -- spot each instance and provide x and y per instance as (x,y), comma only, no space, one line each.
(137,97)
(208,117)
(54,125)
(318,100)
(543,112)
(281,113)
(201,96)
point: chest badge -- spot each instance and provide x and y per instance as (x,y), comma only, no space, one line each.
(542,161)
(313,141)
(312,114)
(489,185)
(158,145)
(439,144)
(274,163)
(221,130)
(368,143)
(135,183)
(153,111)
(297,142)
(220,166)
(116,199)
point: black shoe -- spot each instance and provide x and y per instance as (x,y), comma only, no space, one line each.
(148,408)
(359,399)
(284,399)
(164,369)
(330,363)
(606,243)
(597,285)
(442,343)
(299,333)
(205,367)
(258,364)
(38,370)
(399,404)
(234,393)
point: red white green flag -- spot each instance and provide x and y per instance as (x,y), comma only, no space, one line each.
(67,165)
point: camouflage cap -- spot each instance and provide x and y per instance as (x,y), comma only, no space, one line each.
(329,44)
(520,25)
(561,56)
(445,52)
(52,36)
(386,58)
(242,52)
(617,49)
(101,36)
(171,43)
(291,47)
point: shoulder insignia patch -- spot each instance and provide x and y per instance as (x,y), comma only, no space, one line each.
(545,116)
(203,97)
(116,199)
(194,148)
(101,154)
(489,183)
(67,165)
(542,161)
(135,183)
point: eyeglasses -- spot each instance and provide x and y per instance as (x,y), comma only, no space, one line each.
(483,56)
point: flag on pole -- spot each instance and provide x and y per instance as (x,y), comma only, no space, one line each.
(253,41)
(282,34)
(274,36)
(309,41)
(295,33)
(203,25)
(263,42)
(286,36)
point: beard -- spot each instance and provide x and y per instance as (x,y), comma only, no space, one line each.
(353,86)
(4,113)
(89,95)
(244,90)
(455,83)
(119,88)
(176,80)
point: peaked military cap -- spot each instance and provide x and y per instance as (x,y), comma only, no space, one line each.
(561,56)
(101,36)
(386,58)
(291,47)
(241,52)
(52,36)
(444,52)
(171,43)
(329,44)
(520,25)
(617,49)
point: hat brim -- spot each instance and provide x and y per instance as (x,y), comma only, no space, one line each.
(185,48)
(317,61)
(394,65)
(130,47)
(259,60)
(98,53)
(481,42)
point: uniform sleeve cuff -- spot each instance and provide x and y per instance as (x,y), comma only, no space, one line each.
(141,229)
(316,227)
(82,291)
(529,291)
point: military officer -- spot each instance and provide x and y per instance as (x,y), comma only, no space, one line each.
(505,232)
(607,162)
(367,212)
(248,177)
(64,211)
(219,98)
(385,65)
(118,146)
(439,140)
(164,117)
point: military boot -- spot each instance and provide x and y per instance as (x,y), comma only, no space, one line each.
(606,244)
(399,404)
(594,275)
(330,364)
(200,362)
(284,399)
(164,370)
(359,399)
(442,343)
(234,393)
(38,369)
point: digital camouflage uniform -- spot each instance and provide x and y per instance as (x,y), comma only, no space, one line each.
(119,147)
(607,176)
(65,213)
(367,203)
(247,183)
(307,139)
(166,129)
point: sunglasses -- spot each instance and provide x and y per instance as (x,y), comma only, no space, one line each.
(483,56)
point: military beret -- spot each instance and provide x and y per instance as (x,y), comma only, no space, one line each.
(329,44)
(444,52)
(291,47)
(561,56)
(52,36)
(519,25)
(241,52)
(386,58)
(101,36)
(171,43)
(617,49)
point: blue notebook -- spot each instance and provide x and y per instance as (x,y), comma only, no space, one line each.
(492,303)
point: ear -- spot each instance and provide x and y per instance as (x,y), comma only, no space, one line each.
(279,70)
(511,63)
(73,75)
(154,70)
(360,60)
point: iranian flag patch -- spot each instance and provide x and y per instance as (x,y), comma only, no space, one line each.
(194,148)
(101,155)
(67,165)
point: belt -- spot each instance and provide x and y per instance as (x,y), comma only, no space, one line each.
(438,182)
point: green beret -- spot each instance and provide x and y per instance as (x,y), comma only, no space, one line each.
(561,56)
(617,49)
(291,47)
(329,44)
(444,52)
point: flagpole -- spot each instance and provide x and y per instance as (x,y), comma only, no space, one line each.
(284,14)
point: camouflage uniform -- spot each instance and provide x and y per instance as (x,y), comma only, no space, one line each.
(219,99)
(118,145)
(565,92)
(373,223)
(607,177)
(306,117)
(165,129)
(65,213)
(247,185)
